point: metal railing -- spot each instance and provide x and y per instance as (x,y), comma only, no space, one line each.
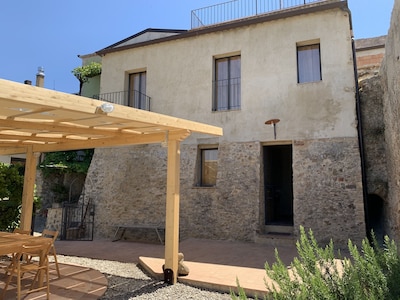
(238,9)
(131,98)
(227,94)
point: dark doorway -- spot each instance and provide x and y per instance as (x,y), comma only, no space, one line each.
(278,183)
(375,217)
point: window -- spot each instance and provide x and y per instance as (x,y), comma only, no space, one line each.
(137,91)
(209,166)
(308,63)
(227,87)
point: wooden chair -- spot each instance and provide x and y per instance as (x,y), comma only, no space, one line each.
(21,266)
(53,236)
(19,231)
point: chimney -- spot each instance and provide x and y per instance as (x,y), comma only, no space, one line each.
(40,77)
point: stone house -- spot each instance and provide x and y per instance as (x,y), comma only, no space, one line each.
(282,85)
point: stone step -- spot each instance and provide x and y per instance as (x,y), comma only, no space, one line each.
(276,239)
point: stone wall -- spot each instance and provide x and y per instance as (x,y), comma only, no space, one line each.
(128,186)
(231,209)
(54,219)
(374,135)
(328,189)
(391,86)
(73,183)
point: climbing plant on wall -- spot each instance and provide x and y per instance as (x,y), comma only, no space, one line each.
(83,73)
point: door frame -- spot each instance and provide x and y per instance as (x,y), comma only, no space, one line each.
(266,229)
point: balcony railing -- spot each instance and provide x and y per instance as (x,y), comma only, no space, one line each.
(239,9)
(133,98)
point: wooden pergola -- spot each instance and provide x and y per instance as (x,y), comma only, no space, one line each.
(34,120)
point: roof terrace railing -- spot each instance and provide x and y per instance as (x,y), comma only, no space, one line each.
(238,9)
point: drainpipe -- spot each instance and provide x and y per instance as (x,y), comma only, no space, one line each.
(360,130)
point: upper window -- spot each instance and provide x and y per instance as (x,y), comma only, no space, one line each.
(227,87)
(209,166)
(137,91)
(308,63)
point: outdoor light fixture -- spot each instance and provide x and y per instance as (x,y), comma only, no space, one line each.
(105,108)
(273,123)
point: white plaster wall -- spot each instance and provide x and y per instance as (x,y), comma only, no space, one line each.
(6,159)
(180,75)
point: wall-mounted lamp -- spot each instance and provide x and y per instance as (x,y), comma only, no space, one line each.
(105,108)
(273,123)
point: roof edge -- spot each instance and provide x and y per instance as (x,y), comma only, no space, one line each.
(178,31)
(290,12)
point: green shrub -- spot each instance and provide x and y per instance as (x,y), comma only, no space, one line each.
(11,185)
(372,273)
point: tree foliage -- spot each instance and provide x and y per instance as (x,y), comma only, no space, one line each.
(11,186)
(83,73)
(372,273)
(66,162)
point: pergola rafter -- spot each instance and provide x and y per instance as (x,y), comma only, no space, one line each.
(35,120)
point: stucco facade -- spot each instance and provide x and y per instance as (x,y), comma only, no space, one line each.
(316,138)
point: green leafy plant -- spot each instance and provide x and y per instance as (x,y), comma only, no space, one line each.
(372,273)
(83,73)
(66,162)
(11,186)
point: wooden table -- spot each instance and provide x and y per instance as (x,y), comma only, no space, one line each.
(12,242)
(8,240)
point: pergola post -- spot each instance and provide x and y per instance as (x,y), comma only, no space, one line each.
(172,213)
(28,190)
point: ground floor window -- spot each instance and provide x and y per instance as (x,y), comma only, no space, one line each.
(208,166)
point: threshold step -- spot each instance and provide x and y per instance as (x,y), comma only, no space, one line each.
(276,239)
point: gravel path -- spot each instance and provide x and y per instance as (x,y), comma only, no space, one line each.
(126,281)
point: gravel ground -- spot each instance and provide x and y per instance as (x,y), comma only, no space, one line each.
(127,281)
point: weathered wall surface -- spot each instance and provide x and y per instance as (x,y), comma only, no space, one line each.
(129,187)
(371,98)
(321,109)
(318,118)
(231,209)
(327,189)
(131,190)
(391,85)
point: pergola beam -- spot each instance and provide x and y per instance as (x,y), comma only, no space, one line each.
(35,120)
(28,190)
(172,212)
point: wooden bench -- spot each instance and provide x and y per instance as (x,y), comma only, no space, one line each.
(123,228)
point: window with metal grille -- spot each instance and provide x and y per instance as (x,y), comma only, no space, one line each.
(227,84)
(137,90)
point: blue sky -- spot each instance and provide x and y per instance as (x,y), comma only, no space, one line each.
(52,33)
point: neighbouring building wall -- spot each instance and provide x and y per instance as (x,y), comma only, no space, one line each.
(8,159)
(317,119)
(373,133)
(370,53)
(92,86)
(391,86)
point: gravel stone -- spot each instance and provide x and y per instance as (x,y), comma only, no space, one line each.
(127,281)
